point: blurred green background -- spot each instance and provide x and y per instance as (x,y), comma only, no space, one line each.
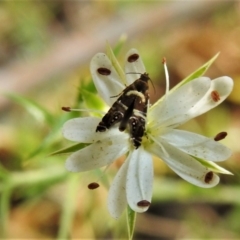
(45,51)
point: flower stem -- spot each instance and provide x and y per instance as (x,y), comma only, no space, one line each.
(131,220)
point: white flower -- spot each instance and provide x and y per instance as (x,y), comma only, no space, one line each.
(190,155)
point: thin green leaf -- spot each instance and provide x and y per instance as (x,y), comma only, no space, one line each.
(51,138)
(115,63)
(213,166)
(131,220)
(92,101)
(181,191)
(69,207)
(4,173)
(87,85)
(70,149)
(37,111)
(5,200)
(198,73)
(119,45)
(55,172)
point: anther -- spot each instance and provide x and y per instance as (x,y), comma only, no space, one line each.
(220,136)
(143,203)
(164,60)
(104,71)
(208,177)
(133,58)
(66,109)
(93,185)
(215,96)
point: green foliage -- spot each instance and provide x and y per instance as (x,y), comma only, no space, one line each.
(198,73)
(41,166)
(131,220)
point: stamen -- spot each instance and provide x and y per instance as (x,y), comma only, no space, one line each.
(208,177)
(215,96)
(164,61)
(160,144)
(68,109)
(220,136)
(93,185)
(143,203)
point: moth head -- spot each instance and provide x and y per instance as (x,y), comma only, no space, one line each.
(143,77)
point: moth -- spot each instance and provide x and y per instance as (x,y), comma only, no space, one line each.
(129,110)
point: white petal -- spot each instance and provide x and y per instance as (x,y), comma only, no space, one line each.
(197,145)
(81,129)
(223,85)
(139,179)
(98,154)
(117,200)
(136,66)
(184,165)
(84,130)
(107,85)
(175,107)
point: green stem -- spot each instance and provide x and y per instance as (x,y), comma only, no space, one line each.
(131,220)
(69,207)
(4,211)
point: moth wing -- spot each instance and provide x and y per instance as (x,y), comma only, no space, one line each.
(133,64)
(127,114)
(105,77)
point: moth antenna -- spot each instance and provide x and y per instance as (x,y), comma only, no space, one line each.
(116,95)
(152,85)
(68,109)
(133,73)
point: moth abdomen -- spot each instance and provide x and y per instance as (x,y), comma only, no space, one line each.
(101,127)
(137,129)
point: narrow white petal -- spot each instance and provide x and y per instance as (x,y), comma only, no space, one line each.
(175,107)
(84,130)
(131,66)
(197,145)
(107,85)
(223,86)
(117,200)
(184,165)
(98,154)
(81,129)
(139,179)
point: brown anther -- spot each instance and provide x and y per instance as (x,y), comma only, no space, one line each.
(66,109)
(93,185)
(104,71)
(215,96)
(143,203)
(164,60)
(133,58)
(208,177)
(220,136)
